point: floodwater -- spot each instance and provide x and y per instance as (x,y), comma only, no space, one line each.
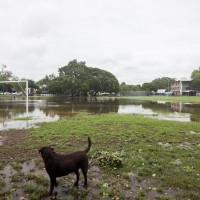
(54,108)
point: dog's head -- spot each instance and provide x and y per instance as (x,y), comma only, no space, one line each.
(46,152)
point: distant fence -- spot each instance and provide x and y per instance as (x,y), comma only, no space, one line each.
(135,93)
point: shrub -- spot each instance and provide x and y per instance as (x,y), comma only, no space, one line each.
(109,159)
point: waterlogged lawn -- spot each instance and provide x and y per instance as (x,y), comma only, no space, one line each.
(24,118)
(160,159)
(164,152)
(185,99)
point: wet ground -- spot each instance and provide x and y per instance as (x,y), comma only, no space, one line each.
(97,188)
(21,170)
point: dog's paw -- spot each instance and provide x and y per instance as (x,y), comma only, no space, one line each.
(75,184)
(54,196)
(85,186)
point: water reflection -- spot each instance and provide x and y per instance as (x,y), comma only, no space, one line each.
(48,109)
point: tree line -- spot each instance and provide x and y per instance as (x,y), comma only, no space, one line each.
(77,79)
(159,83)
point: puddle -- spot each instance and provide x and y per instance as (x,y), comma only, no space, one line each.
(97,185)
(6,174)
(25,124)
(151,191)
(172,117)
(1,140)
(192,133)
(30,169)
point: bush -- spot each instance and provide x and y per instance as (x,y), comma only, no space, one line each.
(109,159)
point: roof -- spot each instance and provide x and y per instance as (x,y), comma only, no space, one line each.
(161,91)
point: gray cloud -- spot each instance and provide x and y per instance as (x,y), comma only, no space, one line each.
(137,41)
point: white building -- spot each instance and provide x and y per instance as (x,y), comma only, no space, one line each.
(181,87)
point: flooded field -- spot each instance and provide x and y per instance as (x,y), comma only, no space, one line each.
(54,108)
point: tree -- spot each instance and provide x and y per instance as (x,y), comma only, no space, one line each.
(42,84)
(162,83)
(148,87)
(5,75)
(79,79)
(196,79)
(124,87)
(103,81)
(76,76)
(55,87)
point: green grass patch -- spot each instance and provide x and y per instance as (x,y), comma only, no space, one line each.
(38,178)
(152,147)
(1,182)
(34,191)
(188,99)
(24,118)
(158,154)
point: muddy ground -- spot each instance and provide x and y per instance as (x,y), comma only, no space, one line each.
(21,168)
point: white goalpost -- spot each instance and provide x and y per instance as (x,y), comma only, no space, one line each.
(26,91)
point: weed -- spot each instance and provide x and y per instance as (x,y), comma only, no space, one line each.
(17,177)
(164,198)
(1,183)
(34,191)
(38,178)
(16,166)
(109,159)
(142,195)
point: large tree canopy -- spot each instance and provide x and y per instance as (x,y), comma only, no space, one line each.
(196,79)
(78,79)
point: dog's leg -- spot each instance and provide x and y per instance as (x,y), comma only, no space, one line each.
(53,182)
(77,178)
(84,170)
(56,184)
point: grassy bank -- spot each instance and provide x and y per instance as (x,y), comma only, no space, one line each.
(160,158)
(187,99)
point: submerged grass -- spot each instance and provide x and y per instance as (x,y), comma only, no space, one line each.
(159,155)
(24,118)
(186,99)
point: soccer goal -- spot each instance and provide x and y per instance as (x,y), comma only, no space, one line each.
(26,91)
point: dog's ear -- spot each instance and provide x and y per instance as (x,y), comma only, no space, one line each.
(41,150)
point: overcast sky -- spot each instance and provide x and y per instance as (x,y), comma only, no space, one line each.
(136,40)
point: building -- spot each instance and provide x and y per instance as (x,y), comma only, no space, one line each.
(161,91)
(182,87)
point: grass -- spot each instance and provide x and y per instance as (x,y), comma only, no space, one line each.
(24,118)
(39,179)
(140,139)
(161,155)
(185,99)
(34,191)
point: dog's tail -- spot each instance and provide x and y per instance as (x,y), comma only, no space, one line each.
(89,145)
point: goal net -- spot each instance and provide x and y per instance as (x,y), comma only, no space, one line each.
(24,90)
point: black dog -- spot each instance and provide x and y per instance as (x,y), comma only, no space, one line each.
(58,165)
